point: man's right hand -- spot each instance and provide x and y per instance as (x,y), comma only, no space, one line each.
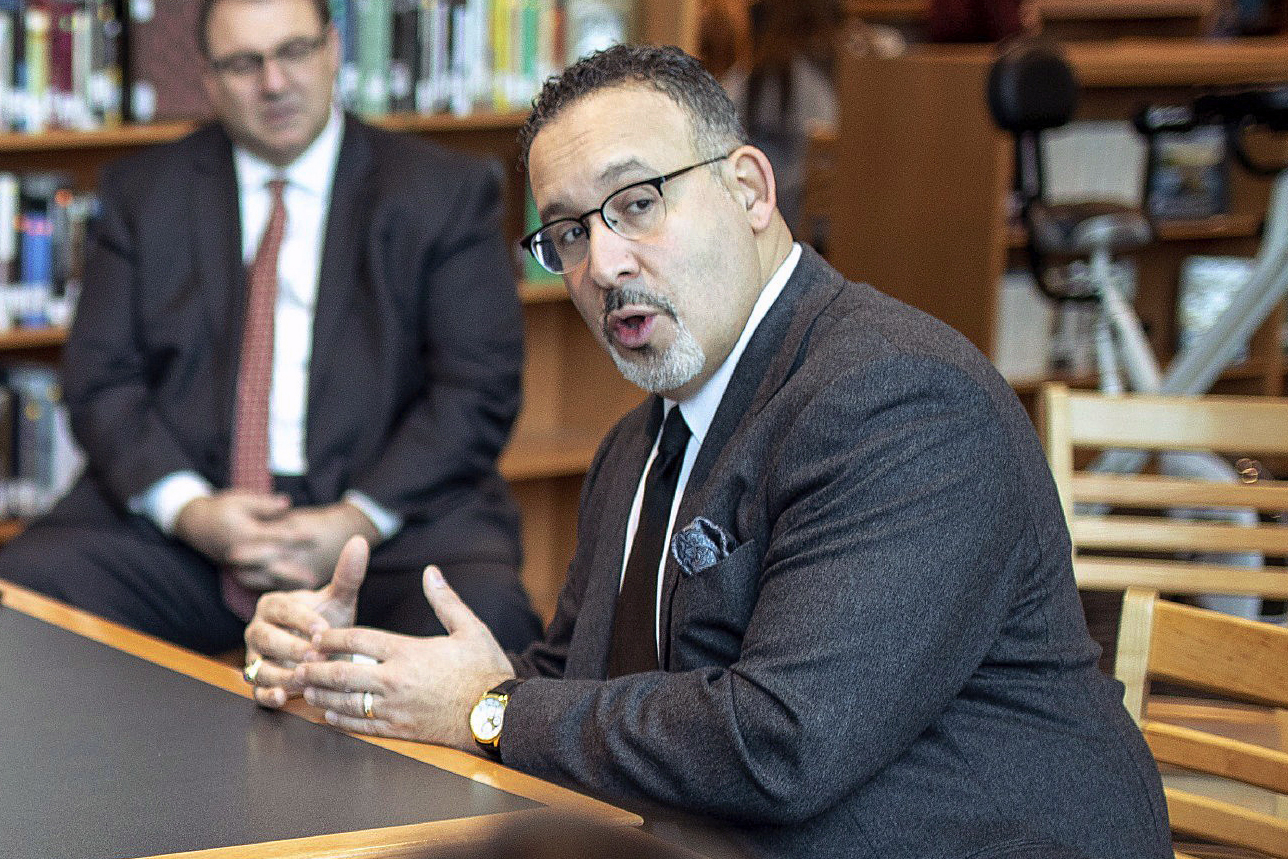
(238,529)
(281,632)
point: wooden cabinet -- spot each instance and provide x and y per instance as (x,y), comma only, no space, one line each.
(572,393)
(922,179)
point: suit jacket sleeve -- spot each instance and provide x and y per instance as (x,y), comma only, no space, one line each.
(892,511)
(127,440)
(471,324)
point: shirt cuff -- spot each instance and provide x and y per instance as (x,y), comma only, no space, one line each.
(162,501)
(386,522)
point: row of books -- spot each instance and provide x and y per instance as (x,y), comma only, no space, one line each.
(432,56)
(81,64)
(39,459)
(60,64)
(43,224)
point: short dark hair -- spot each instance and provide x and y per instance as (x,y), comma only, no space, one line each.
(322,7)
(713,120)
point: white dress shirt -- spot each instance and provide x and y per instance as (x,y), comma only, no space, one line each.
(307,197)
(698,411)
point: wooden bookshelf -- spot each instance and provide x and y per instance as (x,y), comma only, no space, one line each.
(922,179)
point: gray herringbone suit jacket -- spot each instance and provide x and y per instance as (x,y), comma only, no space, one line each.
(893,661)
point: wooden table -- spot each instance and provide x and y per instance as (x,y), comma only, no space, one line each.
(113,744)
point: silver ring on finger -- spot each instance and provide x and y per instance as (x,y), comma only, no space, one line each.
(367,700)
(251,671)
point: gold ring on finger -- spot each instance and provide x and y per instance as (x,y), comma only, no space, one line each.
(251,671)
(367,700)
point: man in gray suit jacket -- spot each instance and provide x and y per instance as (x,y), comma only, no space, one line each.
(865,638)
(396,360)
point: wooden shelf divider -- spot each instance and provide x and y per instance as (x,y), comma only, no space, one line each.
(16,339)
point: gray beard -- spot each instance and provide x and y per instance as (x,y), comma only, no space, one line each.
(655,372)
(659,372)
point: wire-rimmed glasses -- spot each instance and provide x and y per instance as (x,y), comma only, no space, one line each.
(633,212)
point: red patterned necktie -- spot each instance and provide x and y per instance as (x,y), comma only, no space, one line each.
(254,381)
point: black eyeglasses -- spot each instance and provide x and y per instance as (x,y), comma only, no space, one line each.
(290,54)
(633,212)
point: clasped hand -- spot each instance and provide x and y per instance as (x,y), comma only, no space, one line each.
(421,688)
(269,544)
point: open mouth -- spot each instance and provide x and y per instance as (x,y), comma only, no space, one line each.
(631,329)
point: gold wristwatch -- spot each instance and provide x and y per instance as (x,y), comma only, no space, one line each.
(488,715)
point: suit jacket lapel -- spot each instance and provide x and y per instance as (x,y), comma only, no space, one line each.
(342,274)
(216,238)
(615,485)
(766,363)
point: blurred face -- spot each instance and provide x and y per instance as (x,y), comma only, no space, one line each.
(271,74)
(669,306)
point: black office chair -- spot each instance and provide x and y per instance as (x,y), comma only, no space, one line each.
(1032,88)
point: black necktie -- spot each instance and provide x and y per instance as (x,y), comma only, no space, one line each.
(634,645)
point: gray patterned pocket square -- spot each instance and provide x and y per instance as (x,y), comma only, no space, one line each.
(699,545)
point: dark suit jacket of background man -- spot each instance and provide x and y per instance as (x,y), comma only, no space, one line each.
(414,380)
(892,661)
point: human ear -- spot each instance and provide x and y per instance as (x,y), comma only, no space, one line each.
(754,186)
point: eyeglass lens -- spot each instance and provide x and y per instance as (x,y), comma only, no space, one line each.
(289,53)
(633,213)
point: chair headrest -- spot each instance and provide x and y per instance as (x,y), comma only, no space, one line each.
(1031,86)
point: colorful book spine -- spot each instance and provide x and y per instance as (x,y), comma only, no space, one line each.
(35,96)
(373,20)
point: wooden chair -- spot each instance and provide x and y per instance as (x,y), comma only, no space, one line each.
(1126,539)
(1242,660)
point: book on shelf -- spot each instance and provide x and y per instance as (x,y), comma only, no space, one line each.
(1100,160)
(373,22)
(1205,289)
(43,458)
(1189,174)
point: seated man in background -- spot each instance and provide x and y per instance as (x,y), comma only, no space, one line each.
(294,328)
(822,595)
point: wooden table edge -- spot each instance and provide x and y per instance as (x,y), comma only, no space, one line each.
(393,841)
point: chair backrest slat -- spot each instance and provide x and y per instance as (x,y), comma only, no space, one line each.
(1142,533)
(1146,422)
(1244,659)
(1226,823)
(1179,577)
(1147,515)
(1222,756)
(1153,491)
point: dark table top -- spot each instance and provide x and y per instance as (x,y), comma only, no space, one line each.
(104,754)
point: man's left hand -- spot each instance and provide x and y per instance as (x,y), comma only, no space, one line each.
(422,688)
(322,530)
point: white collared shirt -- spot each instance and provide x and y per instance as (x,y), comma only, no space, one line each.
(699,411)
(307,197)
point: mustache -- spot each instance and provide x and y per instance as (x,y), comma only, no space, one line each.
(618,298)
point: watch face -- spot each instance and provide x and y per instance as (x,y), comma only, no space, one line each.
(485,719)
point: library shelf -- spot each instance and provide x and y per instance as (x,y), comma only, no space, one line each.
(22,339)
(145,134)
(1239,225)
